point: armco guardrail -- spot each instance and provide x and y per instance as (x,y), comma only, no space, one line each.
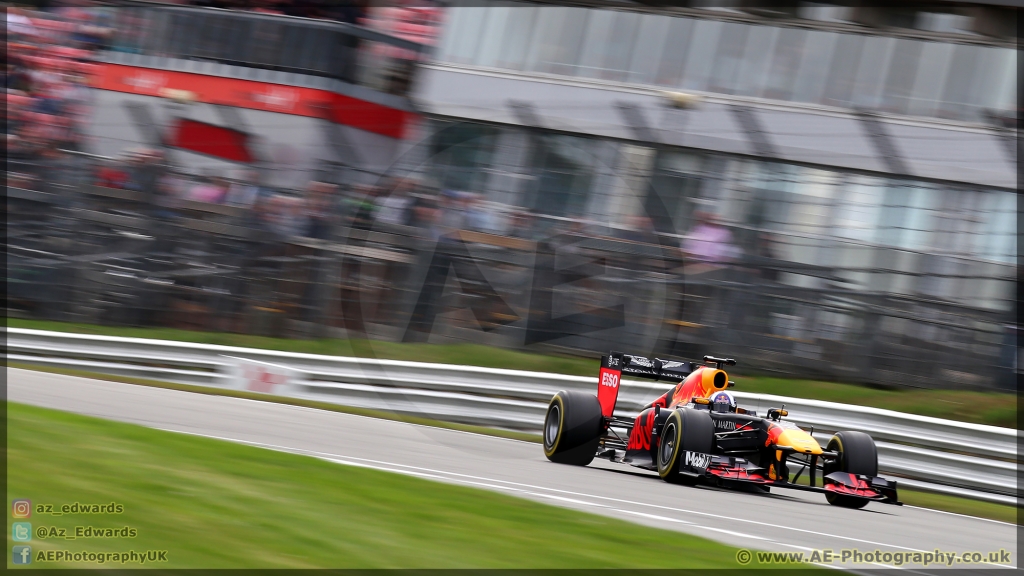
(939,455)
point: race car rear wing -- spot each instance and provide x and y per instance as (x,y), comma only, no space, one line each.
(614,365)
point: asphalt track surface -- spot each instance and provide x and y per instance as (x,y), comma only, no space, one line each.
(783,521)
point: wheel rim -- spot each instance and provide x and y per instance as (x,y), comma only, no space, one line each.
(551,426)
(668,442)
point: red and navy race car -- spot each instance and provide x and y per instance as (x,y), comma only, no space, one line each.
(695,433)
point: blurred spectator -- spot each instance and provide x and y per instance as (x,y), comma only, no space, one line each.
(641,229)
(479,216)
(766,250)
(709,241)
(111,177)
(172,189)
(209,189)
(426,215)
(286,216)
(523,226)
(453,211)
(320,210)
(48,56)
(362,204)
(18,24)
(147,174)
(394,208)
(245,193)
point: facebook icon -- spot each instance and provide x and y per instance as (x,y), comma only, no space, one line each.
(22,555)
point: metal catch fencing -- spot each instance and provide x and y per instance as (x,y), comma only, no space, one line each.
(933,454)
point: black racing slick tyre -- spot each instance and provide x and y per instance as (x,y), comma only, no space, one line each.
(572,428)
(684,430)
(857,455)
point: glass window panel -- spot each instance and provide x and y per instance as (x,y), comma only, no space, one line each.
(789,49)
(266,42)
(858,210)
(467,34)
(921,218)
(449,34)
(180,25)
(931,76)
(556,42)
(620,46)
(674,190)
(564,168)
(1006,94)
(650,44)
(843,70)
(208,39)
(756,60)
(305,40)
(728,57)
(959,80)
(129,30)
(957,217)
(608,45)
(319,43)
(902,71)
(461,154)
(917,218)
(517,37)
(999,221)
(874,62)
(599,28)
(493,35)
(992,72)
(235,39)
(700,56)
(670,69)
(155,29)
(291,46)
(810,80)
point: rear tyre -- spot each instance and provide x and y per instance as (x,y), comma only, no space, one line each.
(685,429)
(572,428)
(857,455)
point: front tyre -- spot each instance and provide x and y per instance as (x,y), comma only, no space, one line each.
(684,430)
(572,428)
(857,455)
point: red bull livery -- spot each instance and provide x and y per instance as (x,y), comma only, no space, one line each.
(696,433)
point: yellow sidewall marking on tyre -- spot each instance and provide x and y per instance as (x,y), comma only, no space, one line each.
(561,426)
(830,496)
(663,472)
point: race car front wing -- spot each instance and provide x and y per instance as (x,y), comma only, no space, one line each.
(736,469)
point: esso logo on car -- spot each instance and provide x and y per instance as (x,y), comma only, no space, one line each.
(610,379)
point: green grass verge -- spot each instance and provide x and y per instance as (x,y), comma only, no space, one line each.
(992,408)
(947,503)
(216,504)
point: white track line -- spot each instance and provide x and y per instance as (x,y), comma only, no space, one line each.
(444,475)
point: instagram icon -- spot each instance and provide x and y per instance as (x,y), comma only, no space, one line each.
(21,508)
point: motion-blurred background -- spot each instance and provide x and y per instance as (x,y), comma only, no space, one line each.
(823,190)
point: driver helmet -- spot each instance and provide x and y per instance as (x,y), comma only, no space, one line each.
(723,402)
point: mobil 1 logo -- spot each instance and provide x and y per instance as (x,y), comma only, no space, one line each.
(697,460)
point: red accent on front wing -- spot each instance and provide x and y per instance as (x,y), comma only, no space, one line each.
(854,487)
(736,473)
(863,492)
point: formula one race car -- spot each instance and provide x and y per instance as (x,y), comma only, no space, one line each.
(695,433)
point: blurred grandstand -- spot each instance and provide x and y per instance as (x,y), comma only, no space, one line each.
(824,191)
